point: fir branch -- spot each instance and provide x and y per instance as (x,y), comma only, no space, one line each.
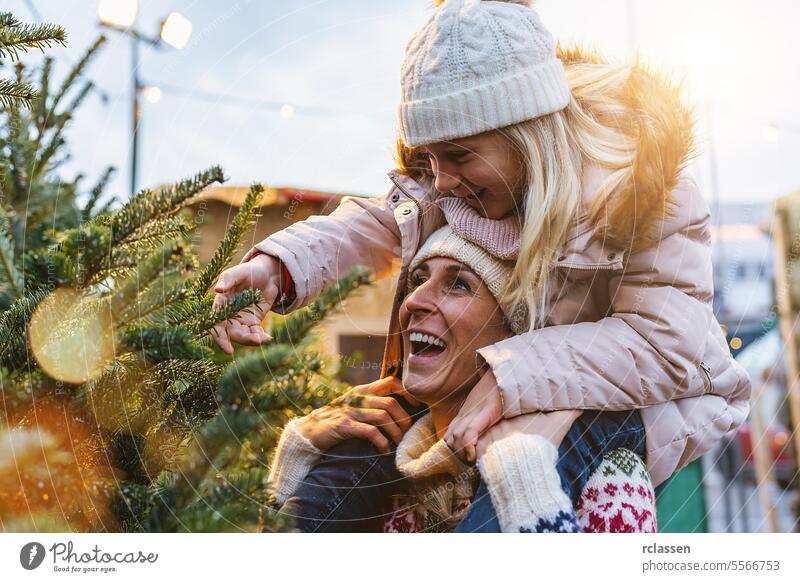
(88,253)
(132,297)
(213,440)
(8,19)
(107,207)
(45,270)
(40,110)
(157,232)
(19,174)
(56,140)
(149,204)
(13,93)
(227,246)
(143,508)
(162,508)
(171,371)
(295,326)
(291,388)
(16,37)
(14,330)
(97,192)
(158,308)
(233,504)
(237,486)
(203,318)
(157,344)
(9,275)
(191,400)
(249,371)
(76,72)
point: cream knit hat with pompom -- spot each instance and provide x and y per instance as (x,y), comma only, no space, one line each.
(478,65)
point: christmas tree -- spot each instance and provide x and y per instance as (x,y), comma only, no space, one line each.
(119,412)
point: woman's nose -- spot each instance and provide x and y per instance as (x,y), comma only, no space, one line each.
(421,300)
(445,178)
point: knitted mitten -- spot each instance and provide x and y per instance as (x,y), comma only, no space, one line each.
(619,496)
(520,473)
(294,457)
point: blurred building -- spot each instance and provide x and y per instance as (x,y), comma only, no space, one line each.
(743,271)
(355,335)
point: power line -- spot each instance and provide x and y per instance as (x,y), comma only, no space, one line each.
(228,100)
(259,102)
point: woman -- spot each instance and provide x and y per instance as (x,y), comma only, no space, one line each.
(452,308)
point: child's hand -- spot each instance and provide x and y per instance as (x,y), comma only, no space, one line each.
(553,426)
(261,272)
(482,409)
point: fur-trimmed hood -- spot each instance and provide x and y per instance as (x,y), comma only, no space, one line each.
(664,130)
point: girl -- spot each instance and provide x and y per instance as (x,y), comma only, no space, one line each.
(582,163)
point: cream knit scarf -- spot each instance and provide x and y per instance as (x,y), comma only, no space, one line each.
(441,483)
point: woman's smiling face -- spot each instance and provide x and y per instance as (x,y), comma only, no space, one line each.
(483,169)
(447,314)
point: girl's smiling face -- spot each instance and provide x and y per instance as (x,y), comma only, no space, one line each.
(483,169)
(447,314)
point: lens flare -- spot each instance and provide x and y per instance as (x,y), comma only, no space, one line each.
(70,338)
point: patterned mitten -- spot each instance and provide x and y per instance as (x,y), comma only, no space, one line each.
(618,497)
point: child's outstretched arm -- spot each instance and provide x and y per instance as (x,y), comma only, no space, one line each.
(310,256)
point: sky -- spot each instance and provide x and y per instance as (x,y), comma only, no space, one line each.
(336,63)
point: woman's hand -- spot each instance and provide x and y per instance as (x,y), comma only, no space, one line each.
(261,272)
(553,426)
(482,409)
(359,413)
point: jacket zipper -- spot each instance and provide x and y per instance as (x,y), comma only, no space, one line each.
(707,376)
(585,267)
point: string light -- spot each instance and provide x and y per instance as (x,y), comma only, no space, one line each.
(152,94)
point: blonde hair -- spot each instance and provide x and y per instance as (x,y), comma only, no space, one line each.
(595,128)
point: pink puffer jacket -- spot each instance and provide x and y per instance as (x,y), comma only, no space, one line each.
(630,324)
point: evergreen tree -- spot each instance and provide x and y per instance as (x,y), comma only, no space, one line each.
(37,201)
(108,353)
(119,412)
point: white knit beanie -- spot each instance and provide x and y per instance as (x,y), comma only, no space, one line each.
(494,272)
(478,65)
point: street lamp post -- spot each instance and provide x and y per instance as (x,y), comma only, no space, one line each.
(175,31)
(137,86)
